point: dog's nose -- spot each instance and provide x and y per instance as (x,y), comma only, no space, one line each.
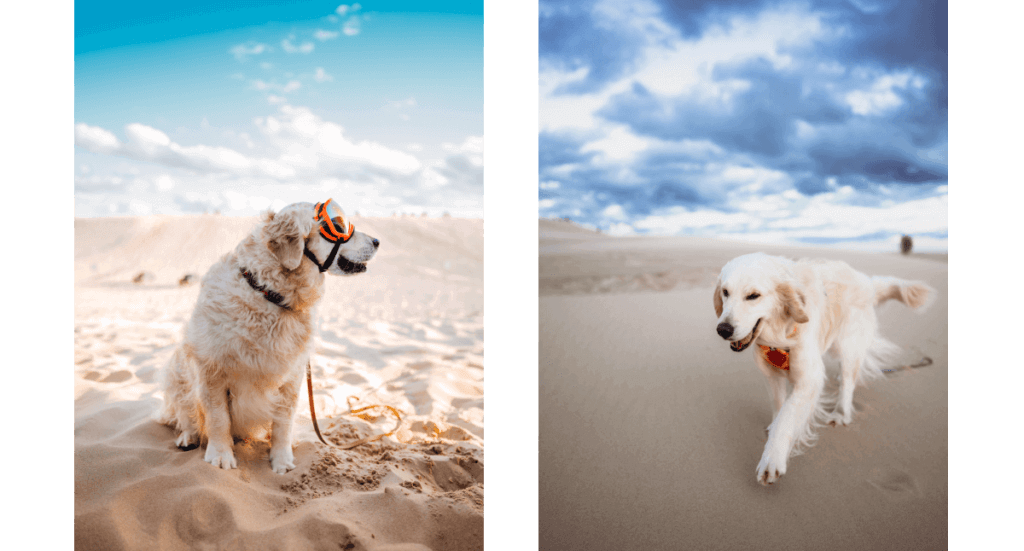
(725,330)
(376,243)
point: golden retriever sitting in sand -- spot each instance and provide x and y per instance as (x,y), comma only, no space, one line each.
(240,367)
(794,312)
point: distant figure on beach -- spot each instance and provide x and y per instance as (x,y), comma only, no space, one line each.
(905,245)
(187,279)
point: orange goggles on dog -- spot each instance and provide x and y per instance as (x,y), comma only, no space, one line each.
(334,227)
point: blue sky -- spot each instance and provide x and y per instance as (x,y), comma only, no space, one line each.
(235,107)
(820,122)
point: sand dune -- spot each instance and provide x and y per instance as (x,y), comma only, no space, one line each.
(651,428)
(408,333)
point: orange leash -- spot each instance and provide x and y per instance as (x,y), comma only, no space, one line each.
(350,445)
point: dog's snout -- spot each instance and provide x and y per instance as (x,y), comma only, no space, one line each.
(376,243)
(725,330)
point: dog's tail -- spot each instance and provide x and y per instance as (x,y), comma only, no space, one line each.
(915,294)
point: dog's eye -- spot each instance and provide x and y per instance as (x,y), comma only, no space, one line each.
(725,293)
(752,296)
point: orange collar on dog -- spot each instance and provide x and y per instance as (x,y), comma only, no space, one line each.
(777,356)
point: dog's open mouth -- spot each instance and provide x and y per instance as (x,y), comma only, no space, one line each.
(349,267)
(742,344)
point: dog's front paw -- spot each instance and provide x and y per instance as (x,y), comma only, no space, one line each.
(839,419)
(771,467)
(220,457)
(841,416)
(282,460)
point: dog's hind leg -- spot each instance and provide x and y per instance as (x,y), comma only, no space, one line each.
(179,404)
(851,359)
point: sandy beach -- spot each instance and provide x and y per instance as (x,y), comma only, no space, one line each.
(408,334)
(651,428)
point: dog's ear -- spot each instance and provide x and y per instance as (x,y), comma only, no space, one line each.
(286,237)
(793,302)
(718,300)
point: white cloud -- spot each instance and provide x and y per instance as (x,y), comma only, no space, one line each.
(146,138)
(275,100)
(619,144)
(243,51)
(881,96)
(433,179)
(472,148)
(263,86)
(676,219)
(621,229)
(672,65)
(342,9)
(301,155)
(323,35)
(351,26)
(309,141)
(462,169)
(304,48)
(322,76)
(146,143)
(686,65)
(568,111)
(614,211)
(95,139)
(164,182)
(550,184)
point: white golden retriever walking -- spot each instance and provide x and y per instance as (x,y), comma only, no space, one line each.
(794,312)
(240,367)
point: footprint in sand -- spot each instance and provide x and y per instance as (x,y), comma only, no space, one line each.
(894,482)
(117,377)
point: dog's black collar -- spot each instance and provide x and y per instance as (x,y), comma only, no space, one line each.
(275,297)
(272,296)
